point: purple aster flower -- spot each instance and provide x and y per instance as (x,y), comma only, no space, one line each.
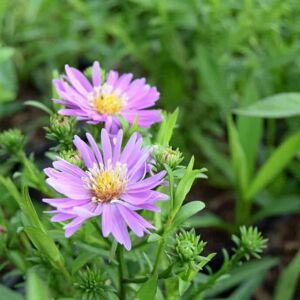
(114,184)
(102,101)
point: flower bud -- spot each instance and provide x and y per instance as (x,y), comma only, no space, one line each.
(250,242)
(188,246)
(90,284)
(12,141)
(166,155)
(61,129)
(72,156)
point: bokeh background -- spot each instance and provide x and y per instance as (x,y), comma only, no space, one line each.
(206,57)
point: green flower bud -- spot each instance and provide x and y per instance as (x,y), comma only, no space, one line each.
(62,129)
(166,155)
(90,285)
(72,156)
(250,243)
(12,141)
(188,246)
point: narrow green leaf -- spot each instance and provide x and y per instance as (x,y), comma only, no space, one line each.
(250,129)
(185,185)
(186,211)
(289,204)
(24,202)
(245,291)
(44,244)
(166,128)
(7,294)
(288,280)
(81,260)
(241,274)
(148,289)
(36,288)
(274,165)
(238,157)
(209,220)
(39,105)
(277,106)
(212,152)
(211,78)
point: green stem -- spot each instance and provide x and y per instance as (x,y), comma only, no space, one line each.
(122,273)
(167,273)
(227,265)
(160,250)
(162,243)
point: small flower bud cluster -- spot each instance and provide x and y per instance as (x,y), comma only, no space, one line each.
(188,246)
(12,141)
(90,285)
(62,129)
(72,156)
(166,156)
(250,243)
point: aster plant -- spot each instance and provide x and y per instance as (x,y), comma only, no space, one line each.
(116,223)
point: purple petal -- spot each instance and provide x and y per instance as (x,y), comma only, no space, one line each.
(78,80)
(65,166)
(106,220)
(112,78)
(128,148)
(60,217)
(117,147)
(65,202)
(96,74)
(119,230)
(106,147)
(95,148)
(85,151)
(71,190)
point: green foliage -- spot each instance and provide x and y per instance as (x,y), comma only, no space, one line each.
(8,80)
(166,128)
(36,288)
(242,274)
(148,289)
(288,280)
(7,293)
(277,106)
(12,142)
(187,211)
(275,164)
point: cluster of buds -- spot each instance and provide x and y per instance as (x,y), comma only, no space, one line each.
(166,156)
(188,247)
(62,130)
(12,142)
(250,243)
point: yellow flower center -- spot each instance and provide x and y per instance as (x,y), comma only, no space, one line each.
(108,104)
(106,100)
(107,184)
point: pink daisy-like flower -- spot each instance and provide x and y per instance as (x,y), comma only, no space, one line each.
(104,101)
(114,184)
